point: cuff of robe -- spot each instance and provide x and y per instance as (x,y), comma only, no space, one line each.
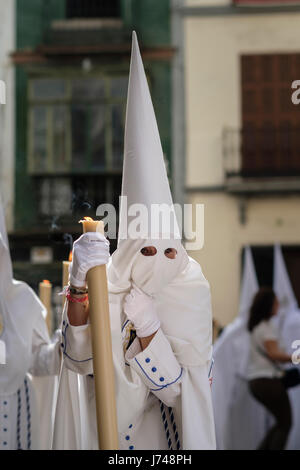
(133,350)
(157,364)
(76,346)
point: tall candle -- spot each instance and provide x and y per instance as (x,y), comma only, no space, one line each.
(2,344)
(65,274)
(45,291)
(102,350)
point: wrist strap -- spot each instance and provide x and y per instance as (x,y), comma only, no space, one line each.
(75,291)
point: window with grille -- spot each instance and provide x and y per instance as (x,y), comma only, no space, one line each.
(93,8)
(265,2)
(271,122)
(76,125)
(75,140)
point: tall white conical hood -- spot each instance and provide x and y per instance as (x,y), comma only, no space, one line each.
(281,283)
(249,285)
(5,261)
(145,178)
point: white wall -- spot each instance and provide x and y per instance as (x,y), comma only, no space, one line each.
(207,3)
(269,221)
(7,45)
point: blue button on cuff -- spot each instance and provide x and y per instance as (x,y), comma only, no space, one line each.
(131,447)
(162,379)
(154,369)
(127,438)
(147,360)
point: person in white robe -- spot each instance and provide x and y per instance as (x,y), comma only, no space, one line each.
(160,312)
(25,350)
(241,422)
(288,324)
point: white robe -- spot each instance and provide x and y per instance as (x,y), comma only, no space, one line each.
(289,333)
(20,416)
(163,393)
(241,422)
(46,388)
(25,348)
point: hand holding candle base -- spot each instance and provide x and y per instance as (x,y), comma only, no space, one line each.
(89,251)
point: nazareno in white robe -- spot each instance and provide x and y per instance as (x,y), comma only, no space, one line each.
(241,421)
(25,414)
(163,393)
(291,332)
(28,351)
(287,322)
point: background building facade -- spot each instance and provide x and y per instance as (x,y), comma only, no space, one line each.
(71,64)
(220,74)
(7,160)
(242,138)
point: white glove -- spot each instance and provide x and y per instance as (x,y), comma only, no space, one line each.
(90,250)
(140,310)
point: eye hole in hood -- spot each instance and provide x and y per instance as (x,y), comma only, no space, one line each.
(171,253)
(149,251)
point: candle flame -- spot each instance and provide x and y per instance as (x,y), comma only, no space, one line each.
(86,219)
(45,281)
(71,256)
(91,225)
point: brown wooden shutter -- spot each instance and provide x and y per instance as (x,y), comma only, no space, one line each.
(265,2)
(270,121)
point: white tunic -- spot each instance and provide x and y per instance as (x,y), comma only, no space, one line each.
(19,415)
(288,334)
(241,421)
(260,365)
(147,393)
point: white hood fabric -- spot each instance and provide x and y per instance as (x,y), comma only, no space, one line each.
(177,285)
(249,285)
(145,179)
(288,322)
(282,287)
(179,288)
(20,308)
(241,421)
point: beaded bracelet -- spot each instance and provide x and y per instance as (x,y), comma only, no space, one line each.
(76,301)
